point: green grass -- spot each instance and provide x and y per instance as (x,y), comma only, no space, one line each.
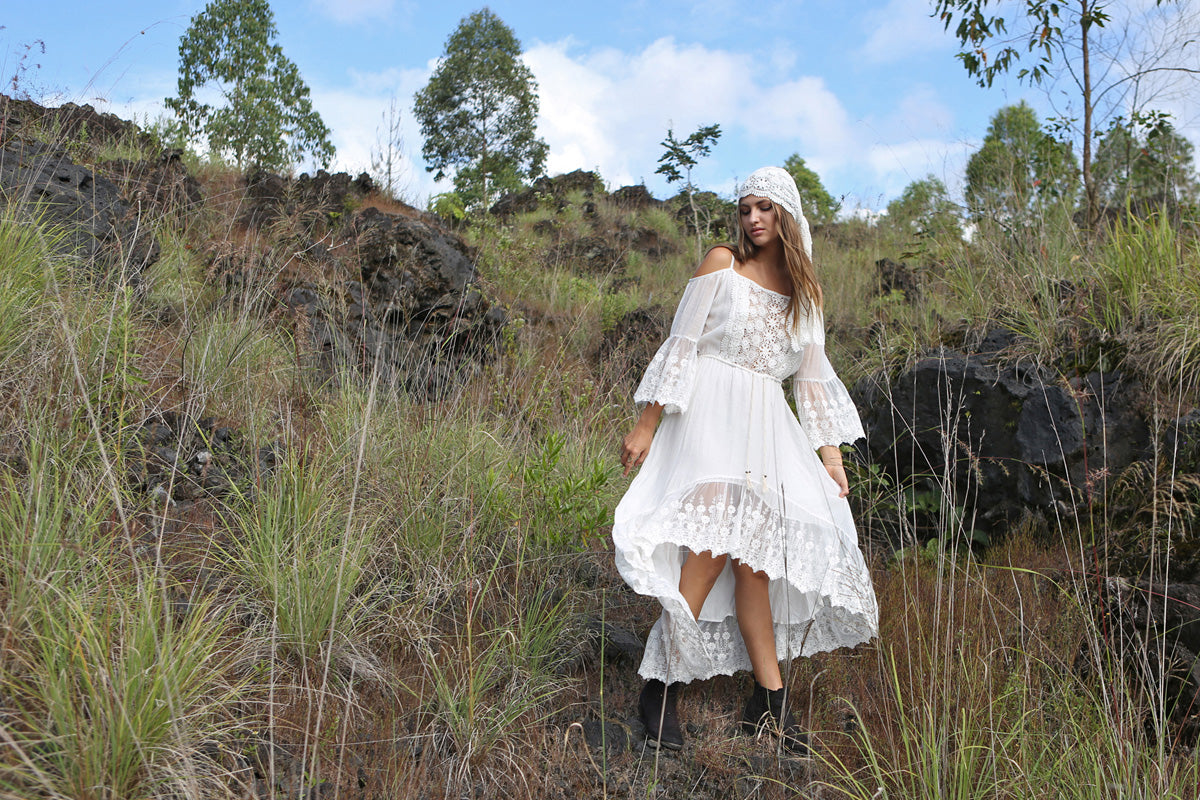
(1148,297)
(302,558)
(29,269)
(113,688)
(414,574)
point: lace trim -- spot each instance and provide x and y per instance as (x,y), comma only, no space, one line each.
(670,377)
(816,559)
(694,651)
(728,518)
(826,411)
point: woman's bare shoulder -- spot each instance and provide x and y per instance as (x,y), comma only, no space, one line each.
(718,258)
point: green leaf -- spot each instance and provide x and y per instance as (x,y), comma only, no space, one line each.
(478,113)
(267,119)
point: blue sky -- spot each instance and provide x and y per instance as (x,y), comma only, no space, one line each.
(868,92)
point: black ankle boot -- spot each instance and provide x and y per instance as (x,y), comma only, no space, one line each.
(657,703)
(768,708)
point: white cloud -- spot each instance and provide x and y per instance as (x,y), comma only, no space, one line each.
(901,29)
(897,164)
(920,111)
(609,109)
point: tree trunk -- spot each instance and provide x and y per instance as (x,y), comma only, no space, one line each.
(695,217)
(1089,185)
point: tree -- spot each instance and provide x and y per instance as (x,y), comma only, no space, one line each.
(1144,160)
(1019,170)
(478,113)
(1066,36)
(819,205)
(924,209)
(267,119)
(387,155)
(678,160)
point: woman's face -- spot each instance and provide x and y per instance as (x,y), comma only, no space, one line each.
(760,220)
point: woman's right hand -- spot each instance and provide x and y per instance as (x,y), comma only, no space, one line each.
(635,446)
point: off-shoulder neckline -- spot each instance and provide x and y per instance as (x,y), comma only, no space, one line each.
(730,268)
(757,284)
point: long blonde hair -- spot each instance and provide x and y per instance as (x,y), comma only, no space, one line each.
(806,292)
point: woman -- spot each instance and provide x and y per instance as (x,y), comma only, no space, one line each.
(738,528)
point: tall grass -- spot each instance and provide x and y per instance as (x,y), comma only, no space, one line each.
(979,693)
(124,692)
(406,587)
(29,264)
(114,689)
(1149,297)
(302,557)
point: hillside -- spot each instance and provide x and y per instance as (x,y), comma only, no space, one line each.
(306,493)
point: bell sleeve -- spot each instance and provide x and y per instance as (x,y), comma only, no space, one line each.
(672,372)
(823,405)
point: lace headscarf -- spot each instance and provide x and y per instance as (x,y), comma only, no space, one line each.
(779,186)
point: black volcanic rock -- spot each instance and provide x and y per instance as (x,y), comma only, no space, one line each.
(99,227)
(1012,436)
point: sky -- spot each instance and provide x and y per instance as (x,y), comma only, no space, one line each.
(868,92)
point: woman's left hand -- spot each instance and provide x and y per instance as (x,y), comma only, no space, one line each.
(838,473)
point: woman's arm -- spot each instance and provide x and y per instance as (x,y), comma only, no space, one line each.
(636,443)
(667,384)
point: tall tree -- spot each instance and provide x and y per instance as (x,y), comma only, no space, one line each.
(924,209)
(1019,170)
(1144,160)
(680,158)
(819,205)
(267,118)
(478,113)
(1065,37)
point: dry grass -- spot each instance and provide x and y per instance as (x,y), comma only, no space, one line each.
(401,607)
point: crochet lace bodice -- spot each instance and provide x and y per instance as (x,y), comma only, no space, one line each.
(728,316)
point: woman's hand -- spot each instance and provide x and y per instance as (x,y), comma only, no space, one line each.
(636,443)
(635,446)
(838,473)
(831,458)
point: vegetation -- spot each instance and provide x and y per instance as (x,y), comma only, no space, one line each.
(1145,162)
(1066,38)
(819,205)
(925,212)
(478,113)
(393,596)
(1021,173)
(680,158)
(268,119)
(387,153)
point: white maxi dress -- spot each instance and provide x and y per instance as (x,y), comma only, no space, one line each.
(731,470)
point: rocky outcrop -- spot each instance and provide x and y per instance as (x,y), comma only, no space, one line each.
(413,312)
(626,349)
(162,185)
(184,460)
(634,198)
(323,197)
(1152,628)
(99,228)
(1013,437)
(82,125)
(897,277)
(593,254)
(552,190)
